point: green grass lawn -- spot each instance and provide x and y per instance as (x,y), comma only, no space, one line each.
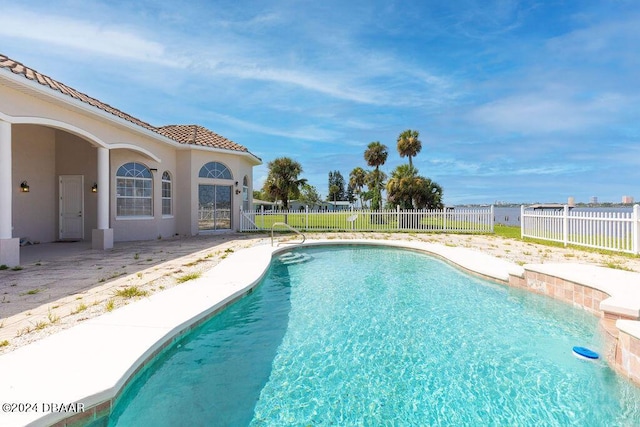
(505,231)
(358,221)
(508,231)
(513,232)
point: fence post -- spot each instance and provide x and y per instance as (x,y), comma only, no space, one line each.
(398,213)
(444,217)
(522,221)
(306,217)
(262,215)
(636,230)
(565,225)
(492,219)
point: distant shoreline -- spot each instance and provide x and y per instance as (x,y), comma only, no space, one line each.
(510,214)
(577,205)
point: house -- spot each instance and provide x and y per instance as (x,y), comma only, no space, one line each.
(338,205)
(265,205)
(297,205)
(328,205)
(75,168)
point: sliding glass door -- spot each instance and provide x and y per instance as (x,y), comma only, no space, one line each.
(214,207)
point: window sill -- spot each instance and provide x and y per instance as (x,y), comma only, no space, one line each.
(134,218)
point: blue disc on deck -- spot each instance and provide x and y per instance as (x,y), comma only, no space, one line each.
(585,353)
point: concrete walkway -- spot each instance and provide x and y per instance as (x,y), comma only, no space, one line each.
(59,284)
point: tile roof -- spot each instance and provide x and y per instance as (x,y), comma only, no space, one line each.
(198,135)
(184,134)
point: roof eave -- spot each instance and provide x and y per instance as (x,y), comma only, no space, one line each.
(42,92)
(47,94)
(252,157)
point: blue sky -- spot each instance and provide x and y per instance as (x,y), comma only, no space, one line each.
(515,101)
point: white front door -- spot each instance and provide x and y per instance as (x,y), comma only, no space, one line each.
(71,207)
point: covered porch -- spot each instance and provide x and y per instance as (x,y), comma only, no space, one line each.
(54,186)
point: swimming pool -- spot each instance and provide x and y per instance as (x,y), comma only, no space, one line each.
(364,335)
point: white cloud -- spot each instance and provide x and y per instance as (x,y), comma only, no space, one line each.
(548,112)
(549,169)
(486,20)
(454,167)
(312,80)
(103,39)
(349,73)
(366,81)
(303,133)
(603,40)
(485,168)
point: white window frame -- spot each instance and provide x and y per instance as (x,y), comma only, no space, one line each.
(215,170)
(167,194)
(136,182)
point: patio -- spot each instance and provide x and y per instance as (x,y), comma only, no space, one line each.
(56,279)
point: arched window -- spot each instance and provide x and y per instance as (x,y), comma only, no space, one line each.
(134,190)
(215,170)
(166,194)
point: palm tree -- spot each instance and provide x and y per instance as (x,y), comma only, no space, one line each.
(409,190)
(333,191)
(402,186)
(282,181)
(375,182)
(357,180)
(409,145)
(429,195)
(375,155)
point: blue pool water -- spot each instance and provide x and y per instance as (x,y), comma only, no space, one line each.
(363,335)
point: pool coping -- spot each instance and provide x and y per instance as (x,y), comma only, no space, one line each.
(82,381)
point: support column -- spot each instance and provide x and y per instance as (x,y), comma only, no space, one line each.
(102,237)
(9,246)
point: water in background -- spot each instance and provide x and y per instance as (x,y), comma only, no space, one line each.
(511,215)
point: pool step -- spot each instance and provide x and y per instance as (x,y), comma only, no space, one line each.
(294,258)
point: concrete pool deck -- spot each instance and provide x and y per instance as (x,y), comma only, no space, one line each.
(89,363)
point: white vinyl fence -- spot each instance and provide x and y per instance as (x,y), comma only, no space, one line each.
(615,231)
(456,220)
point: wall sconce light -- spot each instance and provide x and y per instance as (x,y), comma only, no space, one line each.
(237,191)
(94,187)
(24,187)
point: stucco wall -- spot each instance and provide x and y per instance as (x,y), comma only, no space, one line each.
(33,160)
(62,138)
(184,196)
(143,228)
(239,167)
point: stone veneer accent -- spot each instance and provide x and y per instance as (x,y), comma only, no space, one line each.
(627,358)
(622,350)
(564,290)
(97,416)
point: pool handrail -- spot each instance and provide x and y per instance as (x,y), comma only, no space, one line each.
(290,228)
